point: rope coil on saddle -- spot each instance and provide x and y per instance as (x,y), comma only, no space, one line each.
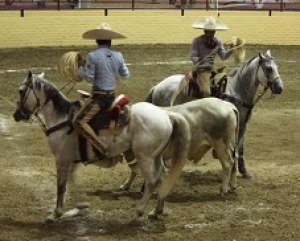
(68,66)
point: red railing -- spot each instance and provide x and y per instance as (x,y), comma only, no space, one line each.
(106,5)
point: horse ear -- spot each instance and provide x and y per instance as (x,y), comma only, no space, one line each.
(29,75)
(261,56)
(269,54)
(41,75)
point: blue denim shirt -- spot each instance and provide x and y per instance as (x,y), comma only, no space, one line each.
(102,68)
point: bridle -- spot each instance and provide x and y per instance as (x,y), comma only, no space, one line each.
(265,68)
(24,111)
(24,96)
(269,84)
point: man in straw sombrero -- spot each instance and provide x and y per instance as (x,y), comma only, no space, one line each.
(205,48)
(101,69)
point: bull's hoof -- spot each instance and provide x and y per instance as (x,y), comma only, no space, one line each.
(153,215)
(137,222)
(123,188)
(51,219)
(83,205)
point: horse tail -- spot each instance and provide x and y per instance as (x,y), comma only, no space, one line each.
(179,147)
(180,87)
(149,96)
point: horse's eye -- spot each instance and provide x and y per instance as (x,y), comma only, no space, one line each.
(21,92)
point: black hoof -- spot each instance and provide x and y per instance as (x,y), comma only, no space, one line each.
(246,175)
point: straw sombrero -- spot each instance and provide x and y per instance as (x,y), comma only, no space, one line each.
(103,32)
(210,23)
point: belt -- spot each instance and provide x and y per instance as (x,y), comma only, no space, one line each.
(98,91)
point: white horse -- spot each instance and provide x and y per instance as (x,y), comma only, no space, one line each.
(241,90)
(213,124)
(150,132)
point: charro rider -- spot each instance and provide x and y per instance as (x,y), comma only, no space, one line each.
(205,48)
(101,69)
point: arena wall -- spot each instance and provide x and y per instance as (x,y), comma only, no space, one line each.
(64,28)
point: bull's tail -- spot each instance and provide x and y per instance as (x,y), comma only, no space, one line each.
(179,142)
(149,96)
(236,147)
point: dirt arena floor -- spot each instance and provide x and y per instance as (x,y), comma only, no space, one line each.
(263,208)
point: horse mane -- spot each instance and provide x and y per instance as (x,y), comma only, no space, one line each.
(239,70)
(61,104)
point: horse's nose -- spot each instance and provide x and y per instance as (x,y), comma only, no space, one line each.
(278,87)
(18,116)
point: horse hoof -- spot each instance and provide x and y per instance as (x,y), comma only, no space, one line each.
(75,212)
(246,175)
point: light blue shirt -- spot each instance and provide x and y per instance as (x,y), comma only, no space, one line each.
(102,68)
(200,51)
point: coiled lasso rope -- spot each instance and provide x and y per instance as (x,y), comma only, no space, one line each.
(68,67)
(239,51)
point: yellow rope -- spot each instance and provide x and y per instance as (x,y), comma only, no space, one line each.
(239,51)
(7,101)
(68,66)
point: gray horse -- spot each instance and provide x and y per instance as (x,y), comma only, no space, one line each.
(241,90)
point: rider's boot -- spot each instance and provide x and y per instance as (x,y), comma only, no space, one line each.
(80,123)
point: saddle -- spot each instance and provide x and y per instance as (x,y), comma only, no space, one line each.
(117,115)
(218,83)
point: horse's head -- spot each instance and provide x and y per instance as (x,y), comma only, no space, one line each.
(28,99)
(268,74)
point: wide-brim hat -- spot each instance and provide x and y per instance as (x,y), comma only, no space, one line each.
(210,23)
(103,32)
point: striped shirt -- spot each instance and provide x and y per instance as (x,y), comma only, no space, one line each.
(102,68)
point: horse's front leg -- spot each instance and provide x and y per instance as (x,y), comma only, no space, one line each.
(62,169)
(241,162)
(73,189)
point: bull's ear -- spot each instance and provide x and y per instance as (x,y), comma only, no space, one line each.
(29,75)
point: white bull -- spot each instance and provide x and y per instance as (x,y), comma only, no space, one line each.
(213,124)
